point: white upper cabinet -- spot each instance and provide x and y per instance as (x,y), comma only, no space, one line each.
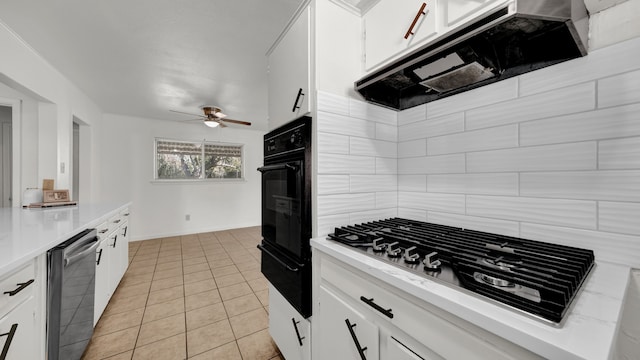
(459,10)
(387,24)
(289,73)
(393,28)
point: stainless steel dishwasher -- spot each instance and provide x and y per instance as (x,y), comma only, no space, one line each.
(70,296)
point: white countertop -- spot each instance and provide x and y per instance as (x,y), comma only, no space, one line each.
(27,233)
(588,331)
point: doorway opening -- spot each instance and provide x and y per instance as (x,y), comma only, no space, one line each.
(6,156)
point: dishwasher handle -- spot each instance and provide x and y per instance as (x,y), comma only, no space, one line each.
(90,247)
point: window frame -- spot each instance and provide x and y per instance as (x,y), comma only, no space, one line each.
(202,178)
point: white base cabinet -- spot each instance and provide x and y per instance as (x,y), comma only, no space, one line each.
(112,259)
(289,330)
(21,312)
(390,324)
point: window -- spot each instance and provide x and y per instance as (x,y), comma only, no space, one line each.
(186,160)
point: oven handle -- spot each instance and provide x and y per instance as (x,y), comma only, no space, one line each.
(264,250)
(278,167)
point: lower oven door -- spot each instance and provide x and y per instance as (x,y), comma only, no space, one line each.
(283,207)
(292,277)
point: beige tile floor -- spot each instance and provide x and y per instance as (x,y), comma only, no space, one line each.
(199,296)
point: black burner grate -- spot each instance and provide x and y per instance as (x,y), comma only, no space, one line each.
(537,277)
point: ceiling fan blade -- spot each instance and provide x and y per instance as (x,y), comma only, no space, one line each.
(221,124)
(219,114)
(236,122)
(186,113)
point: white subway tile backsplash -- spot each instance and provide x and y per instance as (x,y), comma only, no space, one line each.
(336,104)
(411,115)
(503,227)
(386,132)
(333,143)
(412,148)
(479,184)
(345,125)
(620,217)
(386,166)
(332,184)
(610,247)
(608,123)
(575,156)
(615,59)
(373,183)
(327,224)
(487,139)
(614,185)
(574,213)
(490,94)
(370,147)
(413,214)
(345,203)
(416,183)
(442,164)
(372,215)
(619,154)
(443,125)
(362,110)
(619,90)
(570,100)
(387,200)
(345,164)
(452,203)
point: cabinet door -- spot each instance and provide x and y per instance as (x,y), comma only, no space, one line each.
(458,10)
(102,281)
(19,327)
(289,73)
(387,23)
(290,331)
(113,259)
(122,248)
(343,330)
(400,350)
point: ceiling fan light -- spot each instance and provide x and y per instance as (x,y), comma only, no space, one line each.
(211,123)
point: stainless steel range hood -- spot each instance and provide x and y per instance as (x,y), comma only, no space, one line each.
(521,36)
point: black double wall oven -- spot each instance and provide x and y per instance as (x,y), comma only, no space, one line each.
(286,212)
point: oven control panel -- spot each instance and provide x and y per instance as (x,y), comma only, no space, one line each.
(296,136)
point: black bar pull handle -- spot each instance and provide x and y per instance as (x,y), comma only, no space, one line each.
(124,231)
(385,312)
(292,167)
(361,350)
(99,257)
(21,286)
(295,105)
(276,258)
(295,326)
(7,344)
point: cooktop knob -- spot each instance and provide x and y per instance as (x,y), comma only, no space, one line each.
(431,262)
(378,245)
(394,250)
(411,255)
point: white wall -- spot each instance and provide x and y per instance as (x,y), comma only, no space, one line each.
(125,146)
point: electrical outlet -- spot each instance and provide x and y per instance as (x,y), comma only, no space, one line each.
(187,217)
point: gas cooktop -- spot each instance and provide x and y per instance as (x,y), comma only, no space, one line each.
(537,278)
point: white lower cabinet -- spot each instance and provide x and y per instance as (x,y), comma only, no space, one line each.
(17,332)
(354,311)
(289,330)
(344,332)
(102,281)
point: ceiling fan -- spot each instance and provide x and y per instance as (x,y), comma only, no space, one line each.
(213,117)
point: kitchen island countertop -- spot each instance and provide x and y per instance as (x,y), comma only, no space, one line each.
(27,233)
(587,333)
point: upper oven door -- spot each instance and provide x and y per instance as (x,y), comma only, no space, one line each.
(283,206)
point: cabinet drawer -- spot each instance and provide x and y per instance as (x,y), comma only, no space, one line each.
(429,327)
(17,287)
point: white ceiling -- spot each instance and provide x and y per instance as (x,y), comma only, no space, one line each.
(144,57)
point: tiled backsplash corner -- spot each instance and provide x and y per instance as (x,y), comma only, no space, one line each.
(551,155)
